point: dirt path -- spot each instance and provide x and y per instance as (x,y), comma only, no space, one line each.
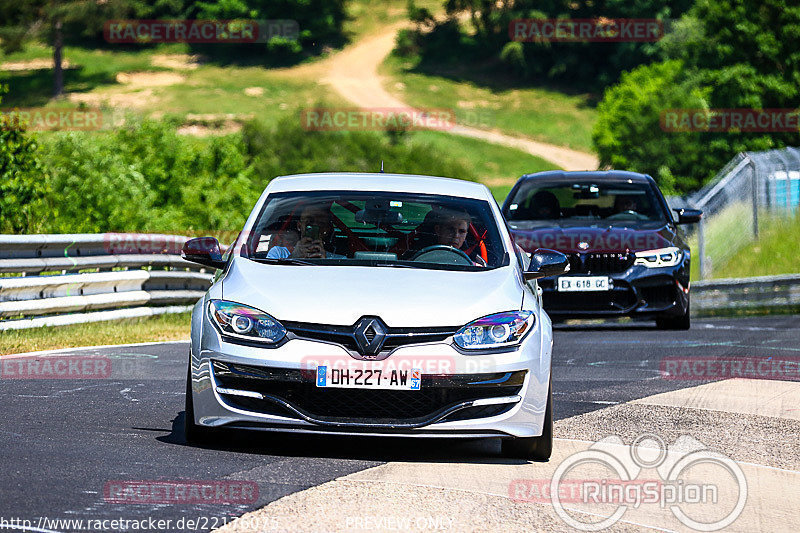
(353,73)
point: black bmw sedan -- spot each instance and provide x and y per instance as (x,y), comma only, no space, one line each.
(627,256)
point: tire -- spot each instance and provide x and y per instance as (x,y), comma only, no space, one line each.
(195,434)
(534,448)
(682,322)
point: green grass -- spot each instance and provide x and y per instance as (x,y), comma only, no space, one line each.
(368,16)
(496,166)
(537,113)
(775,251)
(724,235)
(88,70)
(152,329)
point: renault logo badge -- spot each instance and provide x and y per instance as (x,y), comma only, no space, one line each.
(370,333)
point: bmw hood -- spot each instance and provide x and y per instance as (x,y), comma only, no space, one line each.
(401,297)
(594,239)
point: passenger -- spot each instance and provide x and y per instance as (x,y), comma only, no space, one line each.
(281,234)
(544,206)
(316,218)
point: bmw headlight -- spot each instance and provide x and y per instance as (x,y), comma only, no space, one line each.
(495,331)
(663,257)
(245,322)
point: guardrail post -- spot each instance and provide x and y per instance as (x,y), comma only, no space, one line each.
(701,252)
(754,187)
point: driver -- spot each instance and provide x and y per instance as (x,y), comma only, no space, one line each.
(451,229)
(309,246)
(623,203)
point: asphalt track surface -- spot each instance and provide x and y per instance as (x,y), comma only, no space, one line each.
(63,440)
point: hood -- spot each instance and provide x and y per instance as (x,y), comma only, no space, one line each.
(401,297)
(594,239)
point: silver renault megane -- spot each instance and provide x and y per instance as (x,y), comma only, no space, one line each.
(374,304)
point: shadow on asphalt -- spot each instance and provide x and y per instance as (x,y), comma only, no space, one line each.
(380,449)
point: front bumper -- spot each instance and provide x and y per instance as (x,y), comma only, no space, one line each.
(489,395)
(638,292)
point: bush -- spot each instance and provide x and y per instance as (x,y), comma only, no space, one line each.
(22,184)
(289,149)
(146,177)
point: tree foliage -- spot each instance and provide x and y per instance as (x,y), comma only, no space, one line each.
(23,186)
(724,54)
(146,177)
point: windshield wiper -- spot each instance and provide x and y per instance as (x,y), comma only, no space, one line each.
(282,261)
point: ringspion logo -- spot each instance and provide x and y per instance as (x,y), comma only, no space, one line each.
(593,489)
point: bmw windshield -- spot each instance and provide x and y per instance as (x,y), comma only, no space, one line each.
(380,229)
(585,203)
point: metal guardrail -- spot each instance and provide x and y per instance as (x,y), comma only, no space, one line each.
(747,293)
(134,275)
(110,293)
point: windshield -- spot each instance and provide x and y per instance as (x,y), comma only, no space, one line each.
(585,202)
(379,229)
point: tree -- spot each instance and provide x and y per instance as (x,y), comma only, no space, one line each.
(628,133)
(734,54)
(24,20)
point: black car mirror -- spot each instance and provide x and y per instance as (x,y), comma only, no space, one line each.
(688,216)
(204,251)
(546,263)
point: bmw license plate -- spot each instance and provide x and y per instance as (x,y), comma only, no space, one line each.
(582,283)
(369,378)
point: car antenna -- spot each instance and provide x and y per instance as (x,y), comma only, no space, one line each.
(381,166)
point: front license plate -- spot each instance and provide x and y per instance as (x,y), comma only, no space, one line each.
(357,378)
(584,283)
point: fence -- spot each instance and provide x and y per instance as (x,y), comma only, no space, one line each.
(751,183)
(70,279)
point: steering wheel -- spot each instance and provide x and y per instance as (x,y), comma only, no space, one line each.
(442,253)
(629,214)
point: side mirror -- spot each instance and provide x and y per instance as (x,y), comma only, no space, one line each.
(546,263)
(204,251)
(688,216)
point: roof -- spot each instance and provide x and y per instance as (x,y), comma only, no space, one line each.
(606,175)
(357,181)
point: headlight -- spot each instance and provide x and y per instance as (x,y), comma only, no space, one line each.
(495,331)
(244,322)
(663,257)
